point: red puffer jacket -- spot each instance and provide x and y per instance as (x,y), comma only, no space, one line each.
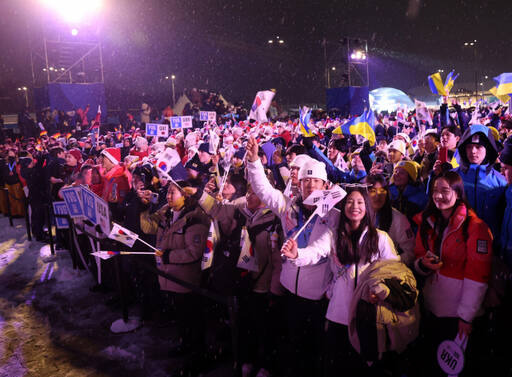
(458,288)
(116,184)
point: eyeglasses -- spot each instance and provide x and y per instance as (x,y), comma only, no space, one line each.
(377,191)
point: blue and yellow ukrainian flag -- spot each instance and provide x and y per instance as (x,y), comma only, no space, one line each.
(503,98)
(503,84)
(363,125)
(435,82)
(450,80)
(304,116)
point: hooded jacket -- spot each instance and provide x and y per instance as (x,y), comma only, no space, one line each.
(182,241)
(267,254)
(484,186)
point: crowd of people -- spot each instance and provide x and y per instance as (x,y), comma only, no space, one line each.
(408,258)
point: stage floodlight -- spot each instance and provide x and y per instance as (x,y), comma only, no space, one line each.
(74,32)
(358,55)
(74,11)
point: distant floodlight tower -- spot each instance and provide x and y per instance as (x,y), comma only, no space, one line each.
(357,61)
(67,37)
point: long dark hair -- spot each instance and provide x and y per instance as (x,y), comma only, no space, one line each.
(432,212)
(386,212)
(349,251)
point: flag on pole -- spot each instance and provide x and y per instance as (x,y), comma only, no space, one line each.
(304,117)
(363,125)
(436,84)
(247,260)
(97,121)
(422,112)
(261,105)
(450,80)
(325,200)
(214,142)
(168,159)
(123,235)
(503,84)
(105,254)
(211,242)
(503,97)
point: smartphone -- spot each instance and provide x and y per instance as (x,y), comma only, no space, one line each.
(154,198)
(432,255)
(443,154)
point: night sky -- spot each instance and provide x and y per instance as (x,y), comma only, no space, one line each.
(222,45)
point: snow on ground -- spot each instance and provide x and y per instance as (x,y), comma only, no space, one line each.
(52,325)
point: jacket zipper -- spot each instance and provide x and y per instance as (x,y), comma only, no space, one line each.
(476,181)
(297,282)
(450,233)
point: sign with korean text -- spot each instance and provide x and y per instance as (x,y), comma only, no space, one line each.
(60,208)
(73,199)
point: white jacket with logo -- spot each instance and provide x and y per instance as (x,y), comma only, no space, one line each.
(309,275)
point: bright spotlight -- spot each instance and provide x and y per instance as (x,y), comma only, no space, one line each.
(281,41)
(173,77)
(74,32)
(358,55)
(74,11)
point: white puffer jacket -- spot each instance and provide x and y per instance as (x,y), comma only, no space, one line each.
(342,286)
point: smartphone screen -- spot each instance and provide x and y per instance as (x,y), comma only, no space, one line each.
(443,154)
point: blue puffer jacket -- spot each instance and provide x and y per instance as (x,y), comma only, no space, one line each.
(484,186)
(506,229)
(485,190)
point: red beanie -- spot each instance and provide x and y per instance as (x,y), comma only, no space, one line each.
(76,154)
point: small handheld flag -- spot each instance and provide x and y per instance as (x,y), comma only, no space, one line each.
(324,200)
(503,98)
(436,84)
(247,260)
(450,80)
(363,125)
(125,236)
(211,242)
(109,254)
(503,84)
(304,117)
(261,105)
